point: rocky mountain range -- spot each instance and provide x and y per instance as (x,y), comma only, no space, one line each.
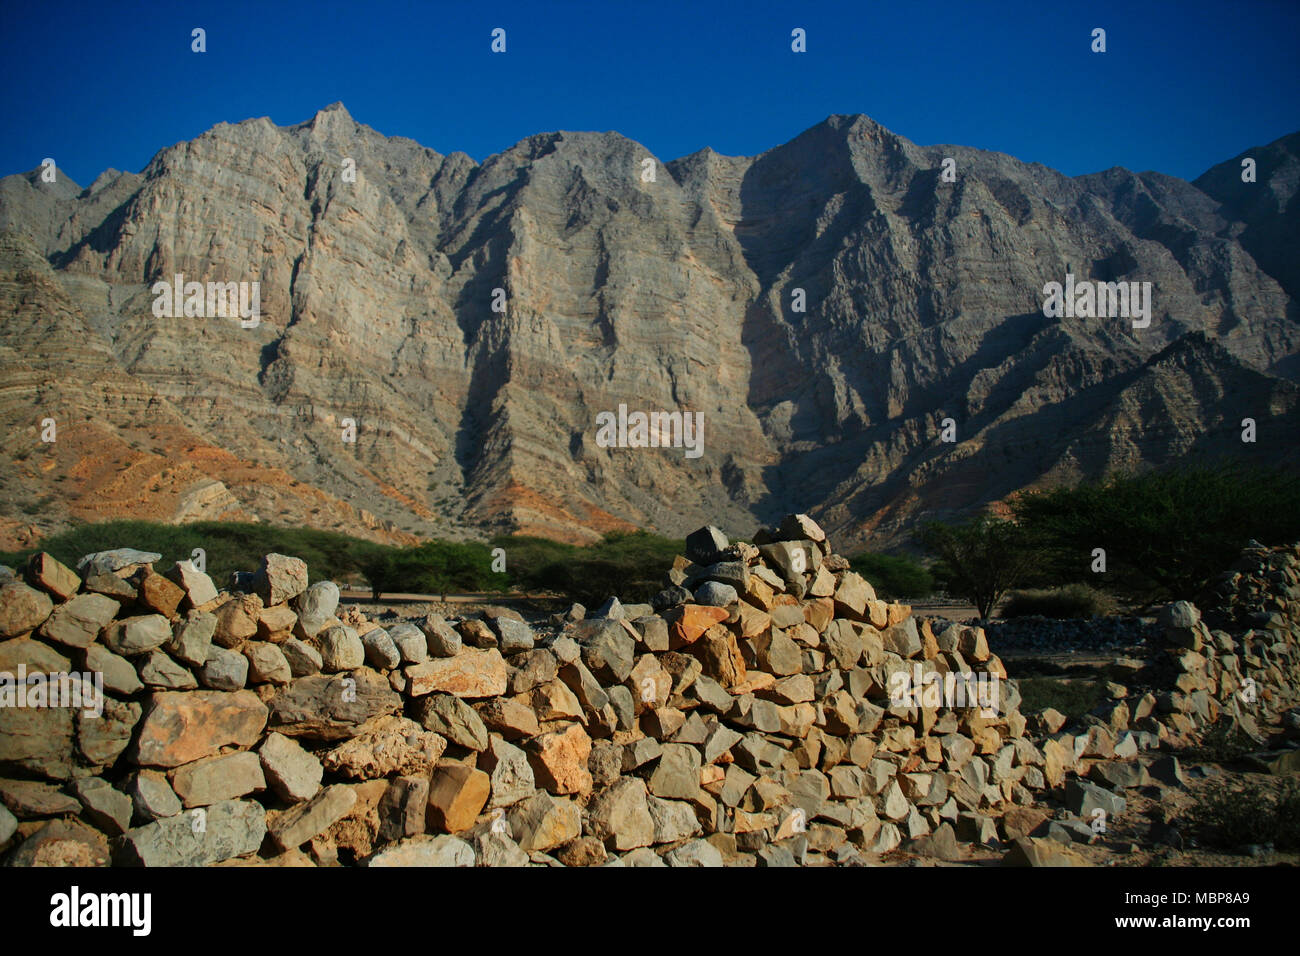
(625,280)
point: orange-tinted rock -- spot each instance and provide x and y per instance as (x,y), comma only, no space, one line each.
(157,593)
(457,795)
(688,622)
(559,761)
(897,613)
(184,726)
(719,655)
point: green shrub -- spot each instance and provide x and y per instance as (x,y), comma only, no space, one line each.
(1229,819)
(1071,601)
(628,565)
(1224,743)
(228,546)
(894,576)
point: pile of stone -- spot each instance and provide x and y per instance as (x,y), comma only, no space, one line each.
(749,715)
(1241,659)
(1071,635)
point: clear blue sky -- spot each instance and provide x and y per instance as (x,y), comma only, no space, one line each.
(1183,85)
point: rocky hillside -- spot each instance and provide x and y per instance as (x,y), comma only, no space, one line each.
(923,302)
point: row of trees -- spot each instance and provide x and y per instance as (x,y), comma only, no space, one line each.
(630,565)
(1144,538)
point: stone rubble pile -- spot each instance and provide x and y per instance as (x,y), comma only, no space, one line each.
(1036,634)
(1240,660)
(744,717)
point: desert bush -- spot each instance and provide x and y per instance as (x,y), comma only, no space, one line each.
(1230,819)
(628,565)
(228,546)
(1223,743)
(1071,601)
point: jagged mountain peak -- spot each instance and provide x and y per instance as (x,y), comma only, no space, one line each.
(824,305)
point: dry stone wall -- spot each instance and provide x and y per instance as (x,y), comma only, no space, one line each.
(765,709)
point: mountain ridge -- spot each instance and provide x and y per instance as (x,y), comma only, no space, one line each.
(923,303)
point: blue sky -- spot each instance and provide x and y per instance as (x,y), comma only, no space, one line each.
(1183,85)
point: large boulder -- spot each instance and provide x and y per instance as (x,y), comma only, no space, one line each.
(332,708)
(184,726)
(204,836)
(22,609)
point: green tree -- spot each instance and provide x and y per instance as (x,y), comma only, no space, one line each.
(894,576)
(376,562)
(980,559)
(1165,534)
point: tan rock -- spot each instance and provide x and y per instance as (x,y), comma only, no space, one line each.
(759,593)
(543,822)
(391,745)
(878,614)
(457,795)
(77,623)
(752,621)
(620,815)
(554,701)
(198,587)
(237,620)
(22,609)
(297,825)
(559,761)
(275,623)
(471,673)
(44,571)
(818,612)
(650,683)
(511,718)
(266,664)
(212,779)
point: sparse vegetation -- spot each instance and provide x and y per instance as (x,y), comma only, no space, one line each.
(37,506)
(228,546)
(1074,698)
(1224,743)
(630,565)
(1231,819)
(1071,601)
